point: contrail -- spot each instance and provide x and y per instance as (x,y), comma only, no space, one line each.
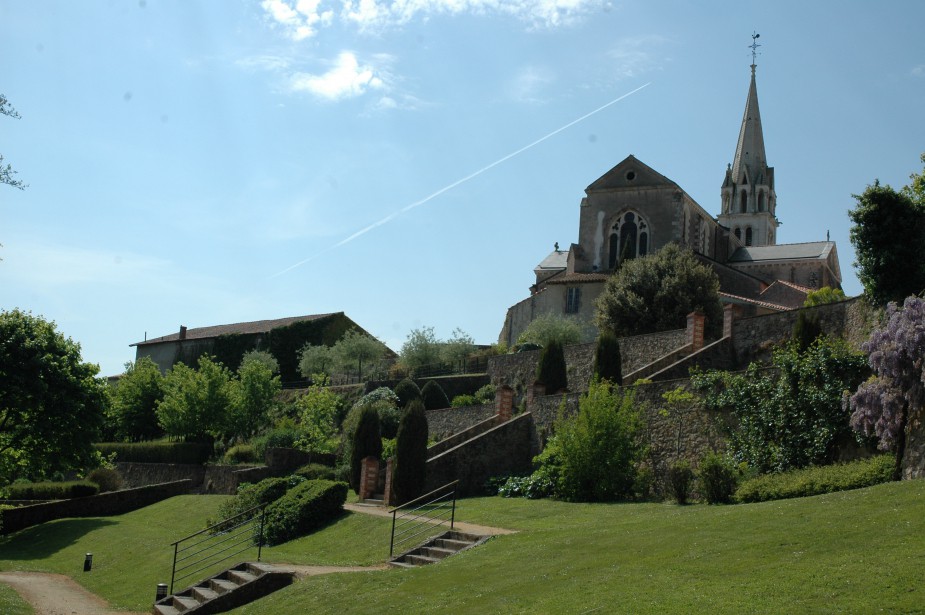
(473,175)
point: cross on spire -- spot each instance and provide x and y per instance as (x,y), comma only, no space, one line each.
(754,47)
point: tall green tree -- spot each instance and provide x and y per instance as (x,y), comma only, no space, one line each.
(547,328)
(366,442)
(656,293)
(315,360)
(421,348)
(251,397)
(608,362)
(457,349)
(551,371)
(52,404)
(888,235)
(356,350)
(411,453)
(196,401)
(7,172)
(135,399)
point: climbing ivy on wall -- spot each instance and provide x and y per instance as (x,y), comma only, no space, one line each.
(284,343)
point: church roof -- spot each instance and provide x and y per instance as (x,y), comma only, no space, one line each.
(750,158)
(784,251)
(630,173)
(557,259)
(730,298)
(579,278)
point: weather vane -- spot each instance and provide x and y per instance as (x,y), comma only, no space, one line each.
(754,46)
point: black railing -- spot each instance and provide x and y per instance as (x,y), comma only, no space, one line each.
(420,517)
(244,530)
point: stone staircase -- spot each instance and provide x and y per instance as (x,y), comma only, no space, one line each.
(437,548)
(227,590)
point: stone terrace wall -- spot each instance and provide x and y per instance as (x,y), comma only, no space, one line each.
(505,449)
(718,355)
(205,479)
(104,504)
(445,422)
(519,369)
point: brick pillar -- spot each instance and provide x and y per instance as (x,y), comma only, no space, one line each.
(504,402)
(387,496)
(695,322)
(537,390)
(369,477)
(727,321)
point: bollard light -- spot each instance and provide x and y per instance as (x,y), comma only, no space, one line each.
(88,562)
(161,592)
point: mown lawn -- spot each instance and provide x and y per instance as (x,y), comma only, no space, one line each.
(850,552)
(11,603)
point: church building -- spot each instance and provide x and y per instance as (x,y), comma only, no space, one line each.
(633,210)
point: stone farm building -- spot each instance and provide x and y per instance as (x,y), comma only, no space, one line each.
(633,210)
(281,337)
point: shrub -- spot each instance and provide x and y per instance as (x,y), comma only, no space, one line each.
(389,418)
(316,471)
(680,478)
(157,452)
(406,390)
(551,370)
(461,401)
(303,509)
(806,329)
(242,453)
(486,394)
(817,480)
(433,396)
(410,453)
(717,479)
(253,494)
(284,435)
(53,491)
(608,364)
(107,479)
(365,442)
(535,486)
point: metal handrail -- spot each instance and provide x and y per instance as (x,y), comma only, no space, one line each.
(216,539)
(417,520)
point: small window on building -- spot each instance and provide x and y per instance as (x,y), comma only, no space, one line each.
(738,234)
(761,201)
(748,236)
(743,202)
(572,300)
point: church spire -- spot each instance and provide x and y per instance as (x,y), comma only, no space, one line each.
(749,201)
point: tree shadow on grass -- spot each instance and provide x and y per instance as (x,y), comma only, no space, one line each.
(42,541)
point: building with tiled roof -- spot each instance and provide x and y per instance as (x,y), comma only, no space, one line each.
(633,210)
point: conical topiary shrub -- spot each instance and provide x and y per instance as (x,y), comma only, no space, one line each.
(433,396)
(410,453)
(608,364)
(407,391)
(366,443)
(551,372)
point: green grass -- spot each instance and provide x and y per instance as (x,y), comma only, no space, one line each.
(11,603)
(849,552)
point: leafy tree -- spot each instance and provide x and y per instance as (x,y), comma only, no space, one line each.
(806,329)
(7,172)
(656,292)
(411,453)
(824,295)
(551,370)
(608,363)
(791,417)
(594,453)
(316,359)
(433,396)
(887,403)
(262,356)
(135,399)
(457,349)
(552,327)
(406,391)
(357,348)
(251,397)
(366,442)
(421,348)
(52,405)
(318,411)
(195,404)
(888,235)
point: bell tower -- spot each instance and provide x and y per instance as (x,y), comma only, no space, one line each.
(749,203)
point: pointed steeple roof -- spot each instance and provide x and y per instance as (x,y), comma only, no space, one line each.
(750,157)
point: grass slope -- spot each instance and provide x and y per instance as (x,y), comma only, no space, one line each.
(848,552)
(11,603)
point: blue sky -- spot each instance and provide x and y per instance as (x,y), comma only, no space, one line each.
(202,163)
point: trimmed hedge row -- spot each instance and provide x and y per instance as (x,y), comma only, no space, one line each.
(250,495)
(157,452)
(817,480)
(303,509)
(316,471)
(52,490)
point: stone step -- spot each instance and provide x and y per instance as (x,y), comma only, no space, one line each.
(221,586)
(203,594)
(184,603)
(397,564)
(436,552)
(464,536)
(420,560)
(165,609)
(240,576)
(451,545)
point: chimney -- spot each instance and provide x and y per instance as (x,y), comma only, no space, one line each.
(182,332)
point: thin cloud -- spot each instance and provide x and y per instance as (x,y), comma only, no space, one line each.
(919,71)
(633,57)
(528,84)
(346,79)
(299,19)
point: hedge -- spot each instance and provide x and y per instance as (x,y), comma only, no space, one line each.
(817,480)
(303,509)
(53,491)
(315,471)
(157,452)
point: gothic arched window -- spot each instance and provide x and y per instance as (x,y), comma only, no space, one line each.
(748,236)
(738,233)
(761,201)
(743,202)
(629,238)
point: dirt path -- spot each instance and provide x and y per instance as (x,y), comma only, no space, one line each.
(56,594)
(311,571)
(382,511)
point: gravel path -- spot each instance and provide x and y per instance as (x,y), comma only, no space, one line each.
(382,511)
(56,594)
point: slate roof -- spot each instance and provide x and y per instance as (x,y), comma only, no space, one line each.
(557,259)
(257,326)
(729,298)
(784,251)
